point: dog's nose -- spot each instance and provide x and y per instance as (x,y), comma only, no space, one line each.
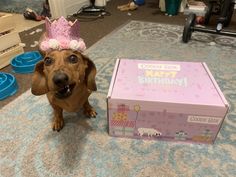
(60,79)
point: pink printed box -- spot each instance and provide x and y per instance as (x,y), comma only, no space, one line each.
(165,100)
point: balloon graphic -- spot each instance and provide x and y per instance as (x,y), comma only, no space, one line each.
(137,108)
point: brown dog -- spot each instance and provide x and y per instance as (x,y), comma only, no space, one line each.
(68,79)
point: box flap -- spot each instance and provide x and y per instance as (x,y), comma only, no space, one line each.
(216,86)
(113,78)
(166,82)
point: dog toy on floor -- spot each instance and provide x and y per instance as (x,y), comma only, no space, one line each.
(130,6)
(30,14)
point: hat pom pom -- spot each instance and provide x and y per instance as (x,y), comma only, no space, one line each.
(44,46)
(77,45)
(53,44)
(82,45)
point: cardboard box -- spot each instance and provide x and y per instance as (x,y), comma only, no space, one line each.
(9,54)
(6,22)
(165,100)
(8,40)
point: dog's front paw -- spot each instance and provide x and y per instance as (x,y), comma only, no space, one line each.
(90,112)
(57,125)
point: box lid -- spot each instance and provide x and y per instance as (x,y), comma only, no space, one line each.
(166,81)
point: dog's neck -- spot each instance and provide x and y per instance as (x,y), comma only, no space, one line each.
(74,102)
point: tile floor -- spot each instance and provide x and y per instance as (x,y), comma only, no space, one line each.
(22,24)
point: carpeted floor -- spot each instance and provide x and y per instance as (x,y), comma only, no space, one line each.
(19,6)
(83,148)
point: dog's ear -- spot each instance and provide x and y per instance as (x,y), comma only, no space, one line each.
(90,74)
(39,82)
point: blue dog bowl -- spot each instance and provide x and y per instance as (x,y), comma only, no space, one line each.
(25,63)
(8,85)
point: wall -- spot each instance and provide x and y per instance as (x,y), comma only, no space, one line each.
(66,7)
(18,6)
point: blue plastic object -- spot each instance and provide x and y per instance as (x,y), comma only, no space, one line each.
(172,6)
(8,85)
(25,63)
(139,2)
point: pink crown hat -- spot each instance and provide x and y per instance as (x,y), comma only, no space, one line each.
(62,34)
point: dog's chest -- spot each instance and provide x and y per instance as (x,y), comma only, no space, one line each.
(72,104)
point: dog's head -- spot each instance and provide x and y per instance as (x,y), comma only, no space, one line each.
(61,72)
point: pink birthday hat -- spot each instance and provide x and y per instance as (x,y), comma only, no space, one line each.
(62,34)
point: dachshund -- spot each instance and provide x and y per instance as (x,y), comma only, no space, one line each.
(67,77)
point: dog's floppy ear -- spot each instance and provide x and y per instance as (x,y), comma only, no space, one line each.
(90,74)
(39,82)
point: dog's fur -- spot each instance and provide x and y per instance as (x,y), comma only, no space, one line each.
(80,72)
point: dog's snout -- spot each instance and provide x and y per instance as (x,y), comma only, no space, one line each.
(60,79)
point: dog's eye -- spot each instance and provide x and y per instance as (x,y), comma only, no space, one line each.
(73,59)
(48,61)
